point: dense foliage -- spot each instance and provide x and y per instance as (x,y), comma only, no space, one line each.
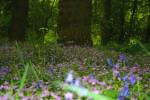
(112,20)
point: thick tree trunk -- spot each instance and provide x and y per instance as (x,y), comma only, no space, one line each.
(145,35)
(74,22)
(105,24)
(146,32)
(19,20)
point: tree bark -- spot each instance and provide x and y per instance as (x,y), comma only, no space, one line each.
(145,35)
(105,24)
(132,19)
(74,22)
(19,20)
(122,23)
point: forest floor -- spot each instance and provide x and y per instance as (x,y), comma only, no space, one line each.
(52,72)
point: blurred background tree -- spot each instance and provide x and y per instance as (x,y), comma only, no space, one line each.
(105,21)
(19,12)
(74,24)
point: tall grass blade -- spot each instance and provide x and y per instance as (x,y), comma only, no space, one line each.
(22,82)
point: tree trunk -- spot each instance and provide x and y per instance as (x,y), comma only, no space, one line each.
(145,35)
(19,20)
(122,23)
(132,19)
(105,24)
(74,22)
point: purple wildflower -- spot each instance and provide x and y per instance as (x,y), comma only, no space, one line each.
(51,70)
(92,81)
(4,97)
(91,76)
(132,79)
(68,96)
(101,83)
(85,78)
(126,79)
(116,65)
(124,91)
(39,84)
(121,98)
(4,71)
(58,98)
(5,86)
(55,96)
(96,91)
(116,73)
(60,65)
(136,65)
(45,93)
(122,57)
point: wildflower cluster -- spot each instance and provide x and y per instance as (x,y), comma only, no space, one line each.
(87,85)
(127,79)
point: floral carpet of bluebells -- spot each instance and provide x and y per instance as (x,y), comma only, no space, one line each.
(72,73)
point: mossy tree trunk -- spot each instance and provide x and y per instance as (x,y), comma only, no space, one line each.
(74,22)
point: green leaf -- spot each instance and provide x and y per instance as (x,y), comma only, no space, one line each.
(110,93)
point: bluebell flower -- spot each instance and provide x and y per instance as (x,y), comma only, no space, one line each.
(39,84)
(126,79)
(120,97)
(77,82)
(136,65)
(91,76)
(4,71)
(132,79)
(116,73)
(51,70)
(125,91)
(122,57)
(70,77)
(116,65)
(109,62)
